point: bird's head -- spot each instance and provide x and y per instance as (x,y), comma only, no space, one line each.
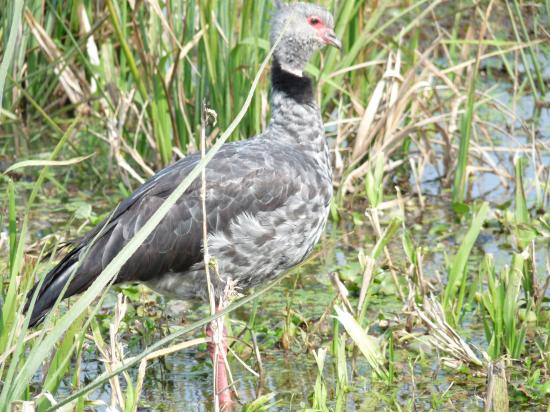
(305,29)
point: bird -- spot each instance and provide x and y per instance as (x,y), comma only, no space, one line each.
(267,198)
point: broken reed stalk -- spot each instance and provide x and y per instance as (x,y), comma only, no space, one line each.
(368,265)
(372,214)
(112,354)
(442,335)
(496,399)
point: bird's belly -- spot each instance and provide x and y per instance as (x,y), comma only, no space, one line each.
(189,285)
(254,250)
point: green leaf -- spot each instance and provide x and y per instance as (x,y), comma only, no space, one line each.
(368,345)
(458,263)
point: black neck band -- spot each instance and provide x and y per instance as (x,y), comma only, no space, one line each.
(295,87)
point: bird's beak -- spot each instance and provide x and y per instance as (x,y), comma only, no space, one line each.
(330,39)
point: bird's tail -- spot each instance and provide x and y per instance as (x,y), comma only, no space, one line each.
(51,288)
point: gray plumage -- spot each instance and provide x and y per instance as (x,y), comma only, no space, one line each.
(267,198)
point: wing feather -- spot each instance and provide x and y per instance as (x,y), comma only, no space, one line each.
(242,178)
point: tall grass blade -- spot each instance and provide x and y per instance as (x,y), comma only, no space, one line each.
(9,50)
(496,399)
(43,163)
(457,274)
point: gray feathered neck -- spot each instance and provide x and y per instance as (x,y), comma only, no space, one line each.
(295,116)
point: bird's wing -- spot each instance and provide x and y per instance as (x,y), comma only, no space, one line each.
(240,178)
(237,182)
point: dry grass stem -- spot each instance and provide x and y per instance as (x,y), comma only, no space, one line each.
(496,399)
(72,84)
(442,335)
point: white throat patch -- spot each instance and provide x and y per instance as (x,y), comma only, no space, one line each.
(295,72)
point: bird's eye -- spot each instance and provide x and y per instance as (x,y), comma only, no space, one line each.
(314,21)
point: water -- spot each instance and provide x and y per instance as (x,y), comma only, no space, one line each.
(182,381)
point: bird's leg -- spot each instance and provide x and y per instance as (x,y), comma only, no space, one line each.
(217,348)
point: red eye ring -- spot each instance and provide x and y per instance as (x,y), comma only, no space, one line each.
(314,21)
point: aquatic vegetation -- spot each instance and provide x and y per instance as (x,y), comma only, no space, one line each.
(431,286)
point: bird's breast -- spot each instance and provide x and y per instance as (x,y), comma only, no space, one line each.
(258,247)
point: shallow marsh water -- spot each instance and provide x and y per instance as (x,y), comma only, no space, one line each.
(182,381)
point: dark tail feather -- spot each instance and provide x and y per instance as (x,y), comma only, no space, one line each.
(51,288)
